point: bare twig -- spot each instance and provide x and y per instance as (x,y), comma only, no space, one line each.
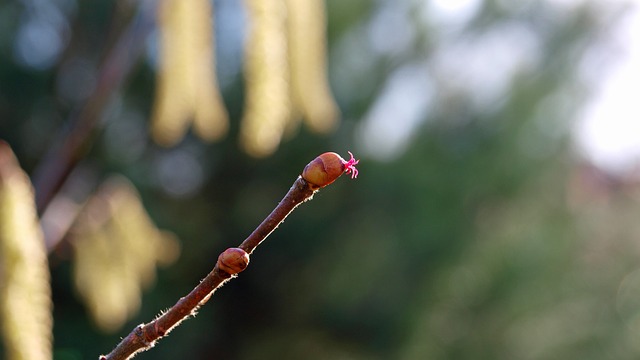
(320,172)
(143,337)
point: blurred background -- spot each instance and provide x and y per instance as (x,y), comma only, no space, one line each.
(494,217)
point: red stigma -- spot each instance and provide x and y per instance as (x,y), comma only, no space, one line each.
(350,166)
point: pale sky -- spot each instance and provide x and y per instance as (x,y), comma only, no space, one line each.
(608,132)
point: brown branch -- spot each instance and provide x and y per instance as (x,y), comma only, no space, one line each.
(320,172)
(300,192)
(230,262)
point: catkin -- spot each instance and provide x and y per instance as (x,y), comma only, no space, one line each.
(311,95)
(267,103)
(210,120)
(117,248)
(187,86)
(25,293)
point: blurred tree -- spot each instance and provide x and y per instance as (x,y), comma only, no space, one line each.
(471,232)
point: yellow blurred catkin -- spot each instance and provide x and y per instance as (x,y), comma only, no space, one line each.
(117,248)
(310,92)
(25,293)
(267,104)
(187,86)
(285,72)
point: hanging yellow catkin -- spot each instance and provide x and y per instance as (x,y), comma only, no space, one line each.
(187,87)
(266,70)
(210,118)
(25,293)
(311,95)
(117,249)
(174,90)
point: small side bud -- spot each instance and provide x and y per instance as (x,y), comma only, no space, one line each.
(233,261)
(327,167)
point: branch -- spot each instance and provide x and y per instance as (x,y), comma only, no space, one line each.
(73,144)
(320,172)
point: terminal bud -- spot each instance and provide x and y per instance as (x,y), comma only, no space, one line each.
(327,167)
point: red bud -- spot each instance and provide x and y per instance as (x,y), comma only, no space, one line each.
(233,261)
(326,168)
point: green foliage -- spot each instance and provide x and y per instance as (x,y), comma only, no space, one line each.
(477,241)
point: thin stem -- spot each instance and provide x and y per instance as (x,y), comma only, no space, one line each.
(144,336)
(300,192)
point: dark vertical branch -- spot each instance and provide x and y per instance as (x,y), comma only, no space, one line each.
(72,144)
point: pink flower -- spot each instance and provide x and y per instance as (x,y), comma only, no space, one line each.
(350,166)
